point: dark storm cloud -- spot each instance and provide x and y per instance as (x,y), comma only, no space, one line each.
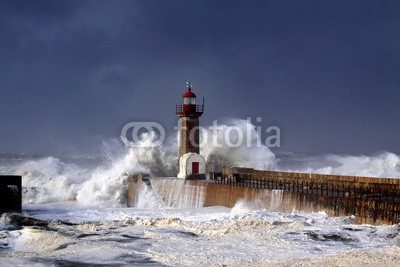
(73,72)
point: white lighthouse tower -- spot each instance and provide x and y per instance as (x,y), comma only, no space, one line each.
(191,164)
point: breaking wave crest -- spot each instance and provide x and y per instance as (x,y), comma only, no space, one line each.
(248,153)
(385,165)
(51,179)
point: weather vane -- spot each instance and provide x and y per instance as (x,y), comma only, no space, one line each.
(189,84)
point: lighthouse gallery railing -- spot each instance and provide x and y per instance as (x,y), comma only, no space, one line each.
(199,108)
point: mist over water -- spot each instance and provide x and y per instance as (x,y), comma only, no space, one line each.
(102,181)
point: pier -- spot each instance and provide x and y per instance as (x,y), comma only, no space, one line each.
(372,200)
(368,199)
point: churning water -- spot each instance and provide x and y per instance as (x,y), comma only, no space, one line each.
(82,202)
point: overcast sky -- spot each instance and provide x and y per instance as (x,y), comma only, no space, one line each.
(72,73)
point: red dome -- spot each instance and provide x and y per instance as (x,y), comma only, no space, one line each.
(189,93)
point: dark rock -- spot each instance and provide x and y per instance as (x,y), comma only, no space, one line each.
(20,220)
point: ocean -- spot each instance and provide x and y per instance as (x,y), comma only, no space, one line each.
(80,203)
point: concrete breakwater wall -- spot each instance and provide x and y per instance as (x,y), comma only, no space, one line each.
(365,211)
(371,200)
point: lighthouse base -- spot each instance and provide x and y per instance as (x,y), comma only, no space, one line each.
(192,166)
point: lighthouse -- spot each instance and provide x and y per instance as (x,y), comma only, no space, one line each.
(191,163)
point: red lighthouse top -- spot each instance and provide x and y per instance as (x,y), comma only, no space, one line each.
(189,107)
(189,93)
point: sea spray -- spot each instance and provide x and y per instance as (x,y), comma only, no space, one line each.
(177,193)
(50,179)
(148,198)
(108,186)
(241,208)
(267,200)
(249,153)
(385,165)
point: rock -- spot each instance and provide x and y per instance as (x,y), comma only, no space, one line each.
(20,220)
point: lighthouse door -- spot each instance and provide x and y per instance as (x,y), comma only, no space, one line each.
(195,168)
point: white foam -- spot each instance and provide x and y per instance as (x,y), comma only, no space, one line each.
(385,165)
(206,236)
(50,179)
(250,153)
